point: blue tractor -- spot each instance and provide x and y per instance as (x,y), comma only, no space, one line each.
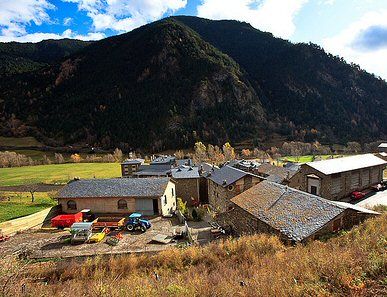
(136,223)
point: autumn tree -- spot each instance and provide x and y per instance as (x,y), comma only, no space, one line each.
(59,158)
(200,152)
(246,153)
(228,151)
(117,155)
(179,154)
(76,158)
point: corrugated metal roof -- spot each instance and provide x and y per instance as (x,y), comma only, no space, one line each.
(164,160)
(185,172)
(355,207)
(383,145)
(294,213)
(115,187)
(227,175)
(337,165)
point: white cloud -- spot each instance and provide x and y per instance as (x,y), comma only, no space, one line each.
(38,36)
(15,15)
(346,44)
(275,16)
(67,21)
(125,15)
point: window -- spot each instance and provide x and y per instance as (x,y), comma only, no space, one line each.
(122,204)
(173,194)
(71,204)
(165,200)
(230,187)
(313,190)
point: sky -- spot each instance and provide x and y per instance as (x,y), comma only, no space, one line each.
(353,29)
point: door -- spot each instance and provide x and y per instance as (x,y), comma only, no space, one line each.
(365,178)
(355,180)
(375,176)
(145,206)
(156,206)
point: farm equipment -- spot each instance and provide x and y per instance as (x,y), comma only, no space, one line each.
(66,220)
(108,222)
(114,240)
(81,232)
(136,223)
(99,236)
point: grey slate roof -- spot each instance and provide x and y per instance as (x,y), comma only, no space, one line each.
(294,213)
(185,172)
(115,187)
(153,170)
(275,173)
(227,175)
(185,162)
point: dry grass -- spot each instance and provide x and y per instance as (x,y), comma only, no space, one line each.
(351,264)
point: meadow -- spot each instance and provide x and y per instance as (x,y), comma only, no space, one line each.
(308,158)
(57,173)
(350,263)
(18,204)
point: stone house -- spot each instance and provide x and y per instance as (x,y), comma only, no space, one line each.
(276,174)
(227,182)
(149,196)
(129,166)
(293,215)
(187,180)
(337,178)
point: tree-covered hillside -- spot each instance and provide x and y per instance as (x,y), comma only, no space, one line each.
(183,79)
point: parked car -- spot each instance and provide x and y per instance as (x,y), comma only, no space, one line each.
(357,195)
(136,223)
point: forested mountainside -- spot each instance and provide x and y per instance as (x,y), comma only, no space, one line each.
(24,57)
(181,79)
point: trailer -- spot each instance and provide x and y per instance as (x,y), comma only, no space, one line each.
(109,222)
(66,220)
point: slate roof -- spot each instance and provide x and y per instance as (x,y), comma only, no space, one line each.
(133,161)
(153,170)
(227,175)
(185,172)
(275,173)
(184,162)
(206,169)
(294,213)
(115,187)
(338,165)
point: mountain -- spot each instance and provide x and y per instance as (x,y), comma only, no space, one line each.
(181,79)
(24,57)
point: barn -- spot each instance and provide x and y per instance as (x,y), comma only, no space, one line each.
(149,196)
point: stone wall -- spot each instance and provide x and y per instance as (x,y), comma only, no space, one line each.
(187,188)
(300,181)
(219,196)
(243,223)
(99,205)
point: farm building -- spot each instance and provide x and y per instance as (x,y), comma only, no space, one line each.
(227,182)
(164,160)
(292,214)
(382,148)
(337,178)
(187,180)
(131,165)
(149,196)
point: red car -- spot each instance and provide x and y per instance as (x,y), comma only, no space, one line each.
(357,195)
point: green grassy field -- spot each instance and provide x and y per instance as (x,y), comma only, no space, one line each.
(57,173)
(19,142)
(307,158)
(15,205)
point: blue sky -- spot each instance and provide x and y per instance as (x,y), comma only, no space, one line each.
(354,29)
